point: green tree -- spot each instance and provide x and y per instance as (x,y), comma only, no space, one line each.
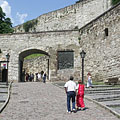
(5,23)
(114,2)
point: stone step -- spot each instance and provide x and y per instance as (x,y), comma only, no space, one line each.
(101,94)
(96,96)
(102,89)
(106,98)
(99,86)
(2,100)
(112,103)
(60,83)
(2,83)
(3,90)
(109,92)
(3,86)
(117,109)
(3,96)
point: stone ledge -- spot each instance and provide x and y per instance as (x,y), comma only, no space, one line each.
(112,81)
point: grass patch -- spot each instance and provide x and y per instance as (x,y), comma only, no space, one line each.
(114,2)
(116,85)
(93,83)
(32,56)
(98,83)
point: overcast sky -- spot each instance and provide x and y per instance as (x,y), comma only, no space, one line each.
(21,11)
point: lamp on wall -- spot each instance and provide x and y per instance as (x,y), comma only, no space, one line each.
(7,57)
(82,54)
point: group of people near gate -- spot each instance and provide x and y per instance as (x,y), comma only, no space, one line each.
(76,93)
(40,77)
(29,77)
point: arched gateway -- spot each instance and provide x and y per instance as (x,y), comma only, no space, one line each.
(23,54)
(61,47)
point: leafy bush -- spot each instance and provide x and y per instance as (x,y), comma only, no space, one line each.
(5,23)
(114,2)
(29,24)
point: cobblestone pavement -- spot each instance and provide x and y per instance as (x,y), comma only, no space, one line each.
(39,101)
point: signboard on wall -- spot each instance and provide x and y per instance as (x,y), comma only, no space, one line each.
(65,59)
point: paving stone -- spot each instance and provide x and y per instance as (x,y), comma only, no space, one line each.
(39,101)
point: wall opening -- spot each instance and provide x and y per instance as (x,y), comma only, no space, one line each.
(31,62)
(106,31)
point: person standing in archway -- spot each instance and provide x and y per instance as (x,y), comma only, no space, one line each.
(32,77)
(39,76)
(44,78)
(27,77)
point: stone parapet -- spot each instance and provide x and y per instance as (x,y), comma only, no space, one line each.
(71,17)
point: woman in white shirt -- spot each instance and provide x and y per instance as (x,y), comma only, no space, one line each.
(89,81)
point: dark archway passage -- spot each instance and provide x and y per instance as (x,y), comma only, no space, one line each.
(23,54)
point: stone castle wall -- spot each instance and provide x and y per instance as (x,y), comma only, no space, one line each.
(36,65)
(103,52)
(71,17)
(49,42)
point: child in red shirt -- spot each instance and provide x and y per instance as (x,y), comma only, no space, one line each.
(80,95)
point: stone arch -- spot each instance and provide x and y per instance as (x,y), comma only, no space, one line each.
(25,53)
